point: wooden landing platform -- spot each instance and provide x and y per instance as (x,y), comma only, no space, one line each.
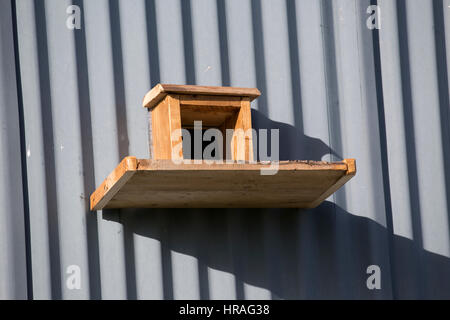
(144,183)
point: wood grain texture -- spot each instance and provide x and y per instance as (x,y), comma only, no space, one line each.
(147,183)
(175,124)
(151,153)
(350,173)
(210,101)
(155,95)
(244,142)
(165,120)
(113,183)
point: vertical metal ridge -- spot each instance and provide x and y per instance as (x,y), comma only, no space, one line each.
(384,150)
(23,158)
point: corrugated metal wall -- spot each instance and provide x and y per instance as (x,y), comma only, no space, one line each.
(13,280)
(333,87)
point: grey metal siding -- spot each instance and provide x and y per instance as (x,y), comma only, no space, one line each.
(331,86)
(13,277)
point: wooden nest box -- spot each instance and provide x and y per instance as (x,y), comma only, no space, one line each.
(163,181)
(176,107)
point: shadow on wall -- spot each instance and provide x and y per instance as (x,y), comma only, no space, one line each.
(320,253)
(295,254)
(294,145)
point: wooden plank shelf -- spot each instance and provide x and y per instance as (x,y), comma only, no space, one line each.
(147,183)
